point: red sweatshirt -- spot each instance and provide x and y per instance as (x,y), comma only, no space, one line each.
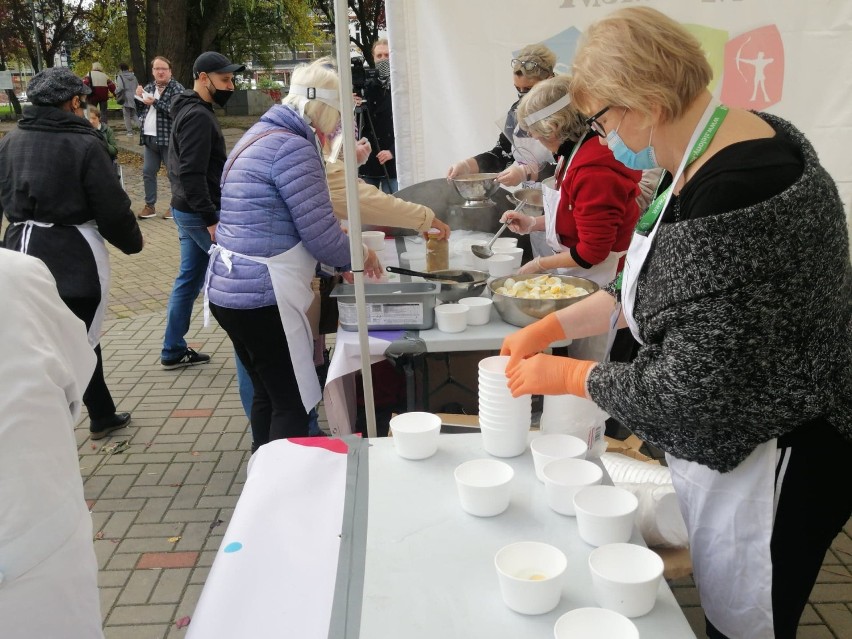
(597,207)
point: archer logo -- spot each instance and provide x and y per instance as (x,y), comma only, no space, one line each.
(754,69)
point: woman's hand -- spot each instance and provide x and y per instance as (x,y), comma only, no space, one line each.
(518,222)
(513,176)
(531,267)
(462,168)
(531,340)
(372,266)
(550,375)
(443,230)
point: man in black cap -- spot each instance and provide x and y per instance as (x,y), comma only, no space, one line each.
(62,198)
(196,159)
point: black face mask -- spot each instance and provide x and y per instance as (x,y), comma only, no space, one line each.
(220,96)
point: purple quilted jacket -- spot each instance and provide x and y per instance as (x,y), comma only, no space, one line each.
(274,196)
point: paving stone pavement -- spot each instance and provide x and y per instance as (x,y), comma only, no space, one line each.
(161,507)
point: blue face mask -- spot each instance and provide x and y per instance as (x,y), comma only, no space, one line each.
(638,160)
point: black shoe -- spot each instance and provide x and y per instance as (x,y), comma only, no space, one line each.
(189,358)
(100,428)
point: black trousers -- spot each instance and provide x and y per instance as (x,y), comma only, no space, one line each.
(258,336)
(97,397)
(814,503)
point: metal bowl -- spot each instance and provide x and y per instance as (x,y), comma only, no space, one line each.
(454,291)
(476,188)
(529,201)
(522,312)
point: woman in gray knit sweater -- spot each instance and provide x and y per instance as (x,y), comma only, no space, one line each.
(738,286)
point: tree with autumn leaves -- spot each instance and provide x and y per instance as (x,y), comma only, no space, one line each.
(135,31)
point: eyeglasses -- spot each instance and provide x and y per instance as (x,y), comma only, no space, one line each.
(596,126)
(528,65)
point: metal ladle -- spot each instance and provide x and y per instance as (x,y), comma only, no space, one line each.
(484,252)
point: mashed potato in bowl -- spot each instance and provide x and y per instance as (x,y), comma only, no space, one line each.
(540,287)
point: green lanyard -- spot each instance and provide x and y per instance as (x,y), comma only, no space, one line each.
(653,212)
(649,218)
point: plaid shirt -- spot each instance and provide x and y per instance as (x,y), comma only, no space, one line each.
(164,119)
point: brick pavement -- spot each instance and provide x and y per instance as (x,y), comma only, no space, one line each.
(160,508)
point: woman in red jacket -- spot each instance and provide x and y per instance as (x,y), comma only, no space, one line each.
(590,215)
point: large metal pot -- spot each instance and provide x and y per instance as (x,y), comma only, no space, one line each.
(441,196)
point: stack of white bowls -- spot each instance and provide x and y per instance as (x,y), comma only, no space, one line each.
(503,419)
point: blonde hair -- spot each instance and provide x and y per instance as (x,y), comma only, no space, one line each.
(96,66)
(93,111)
(639,58)
(320,74)
(378,43)
(542,56)
(566,124)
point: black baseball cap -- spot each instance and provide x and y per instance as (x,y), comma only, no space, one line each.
(213,62)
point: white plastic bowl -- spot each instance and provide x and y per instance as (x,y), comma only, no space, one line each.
(484,486)
(594,623)
(605,514)
(546,448)
(451,318)
(478,310)
(494,365)
(563,478)
(516,253)
(625,578)
(374,240)
(500,265)
(505,242)
(531,575)
(510,442)
(415,435)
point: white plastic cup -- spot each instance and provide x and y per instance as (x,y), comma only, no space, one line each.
(546,448)
(516,253)
(531,575)
(478,310)
(509,442)
(507,425)
(563,478)
(484,486)
(415,435)
(500,265)
(594,623)
(505,242)
(374,240)
(451,318)
(625,578)
(605,514)
(494,366)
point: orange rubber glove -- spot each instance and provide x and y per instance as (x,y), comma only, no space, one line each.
(531,340)
(550,375)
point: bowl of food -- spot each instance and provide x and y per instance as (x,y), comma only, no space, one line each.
(476,188)
(523,299)
(451,291)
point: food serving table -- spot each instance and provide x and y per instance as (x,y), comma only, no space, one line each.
(339,396)
(344,539)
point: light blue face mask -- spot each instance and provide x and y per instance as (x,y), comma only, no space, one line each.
(638,160)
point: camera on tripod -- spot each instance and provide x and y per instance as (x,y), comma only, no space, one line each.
(363,77)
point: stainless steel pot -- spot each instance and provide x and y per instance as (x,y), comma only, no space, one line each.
(522,312)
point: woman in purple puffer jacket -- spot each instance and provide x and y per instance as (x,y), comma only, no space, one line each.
(276,223)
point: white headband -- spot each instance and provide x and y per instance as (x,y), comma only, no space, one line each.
(326,96)
(547,111)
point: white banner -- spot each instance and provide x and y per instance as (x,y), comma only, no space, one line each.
(452,79)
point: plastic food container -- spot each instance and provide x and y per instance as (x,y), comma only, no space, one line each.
(393,306)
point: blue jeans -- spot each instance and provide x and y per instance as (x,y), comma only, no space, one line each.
(383,184)
(194,243)
(155,155)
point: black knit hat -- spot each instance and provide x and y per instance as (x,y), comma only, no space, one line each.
(212,62)
(55,86)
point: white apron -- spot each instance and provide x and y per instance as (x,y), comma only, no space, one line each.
(96,243)
(602,273)
(291,273)
(729,516)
